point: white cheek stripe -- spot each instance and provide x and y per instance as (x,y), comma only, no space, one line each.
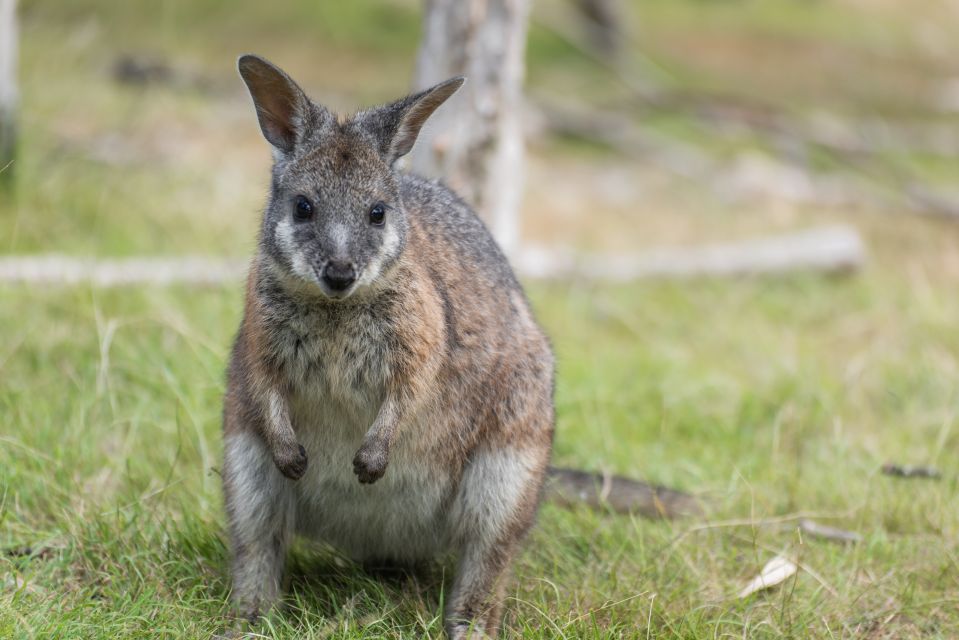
(284,240)
(391,241)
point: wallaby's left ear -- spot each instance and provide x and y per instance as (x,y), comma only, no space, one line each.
(281,106)
(396,125)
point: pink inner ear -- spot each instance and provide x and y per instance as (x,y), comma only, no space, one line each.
(278,117)
(276,98)
(418,114)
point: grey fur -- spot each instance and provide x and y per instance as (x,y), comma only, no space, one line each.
(421,395)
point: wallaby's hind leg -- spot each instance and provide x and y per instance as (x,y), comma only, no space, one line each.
(495,507)
(259,504)
(475,606)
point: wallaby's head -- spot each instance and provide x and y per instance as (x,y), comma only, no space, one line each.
(335,222)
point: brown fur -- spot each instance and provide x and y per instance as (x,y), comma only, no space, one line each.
(429,368)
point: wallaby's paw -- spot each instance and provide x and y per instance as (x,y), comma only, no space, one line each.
(369,463)
(292,462)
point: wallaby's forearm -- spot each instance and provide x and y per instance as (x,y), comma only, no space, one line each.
(288,454)
(402,392)
(370,461)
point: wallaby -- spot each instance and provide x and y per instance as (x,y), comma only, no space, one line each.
(389,391)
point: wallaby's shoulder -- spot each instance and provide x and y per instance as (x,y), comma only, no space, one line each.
(453,232)
(438,205)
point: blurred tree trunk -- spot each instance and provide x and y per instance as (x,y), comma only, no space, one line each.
(475,141)
(8,88)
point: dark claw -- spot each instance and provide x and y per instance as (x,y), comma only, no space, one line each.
(369,466)
(293,467)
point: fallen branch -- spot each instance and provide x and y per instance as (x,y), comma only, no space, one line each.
(829,249)
(57,269)
(570,487)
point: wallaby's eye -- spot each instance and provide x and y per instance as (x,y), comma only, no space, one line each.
(377,214)
(302,209)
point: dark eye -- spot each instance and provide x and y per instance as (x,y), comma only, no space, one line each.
(377,214)
(302,209)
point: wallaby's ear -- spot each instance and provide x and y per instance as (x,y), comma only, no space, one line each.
(281,106)
(396,125)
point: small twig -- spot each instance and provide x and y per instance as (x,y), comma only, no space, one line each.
(910,471)
(755,524)
(826,532)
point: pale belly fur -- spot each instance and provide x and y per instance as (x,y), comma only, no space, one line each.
(403,516)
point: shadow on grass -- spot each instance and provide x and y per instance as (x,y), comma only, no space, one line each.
(323,584)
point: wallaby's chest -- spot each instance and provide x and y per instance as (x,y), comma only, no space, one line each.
(337,365)
(336,357)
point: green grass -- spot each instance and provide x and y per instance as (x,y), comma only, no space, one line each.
(772,399)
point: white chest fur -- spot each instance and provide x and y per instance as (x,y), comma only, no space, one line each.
(339,382)
(401,516)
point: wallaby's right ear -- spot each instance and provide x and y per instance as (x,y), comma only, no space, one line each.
(395,126)
(281,105)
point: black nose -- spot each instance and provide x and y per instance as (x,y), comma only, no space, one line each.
(338,276)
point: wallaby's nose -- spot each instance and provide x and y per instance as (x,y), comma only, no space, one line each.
(338,276)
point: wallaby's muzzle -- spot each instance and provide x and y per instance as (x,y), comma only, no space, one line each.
(339,276)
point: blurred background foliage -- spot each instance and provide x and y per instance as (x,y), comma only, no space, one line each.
(744,116)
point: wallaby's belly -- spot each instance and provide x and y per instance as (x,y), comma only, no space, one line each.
(400,517)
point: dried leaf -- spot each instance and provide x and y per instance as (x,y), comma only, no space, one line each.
(14,582)
(776,571)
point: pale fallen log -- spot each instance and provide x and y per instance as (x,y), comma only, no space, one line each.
(827,249)
(58,269)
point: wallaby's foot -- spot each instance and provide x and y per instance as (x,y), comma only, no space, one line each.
(256,590)
(467,631)
(249,612)
(369,463)
(476,609)
(291,461)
